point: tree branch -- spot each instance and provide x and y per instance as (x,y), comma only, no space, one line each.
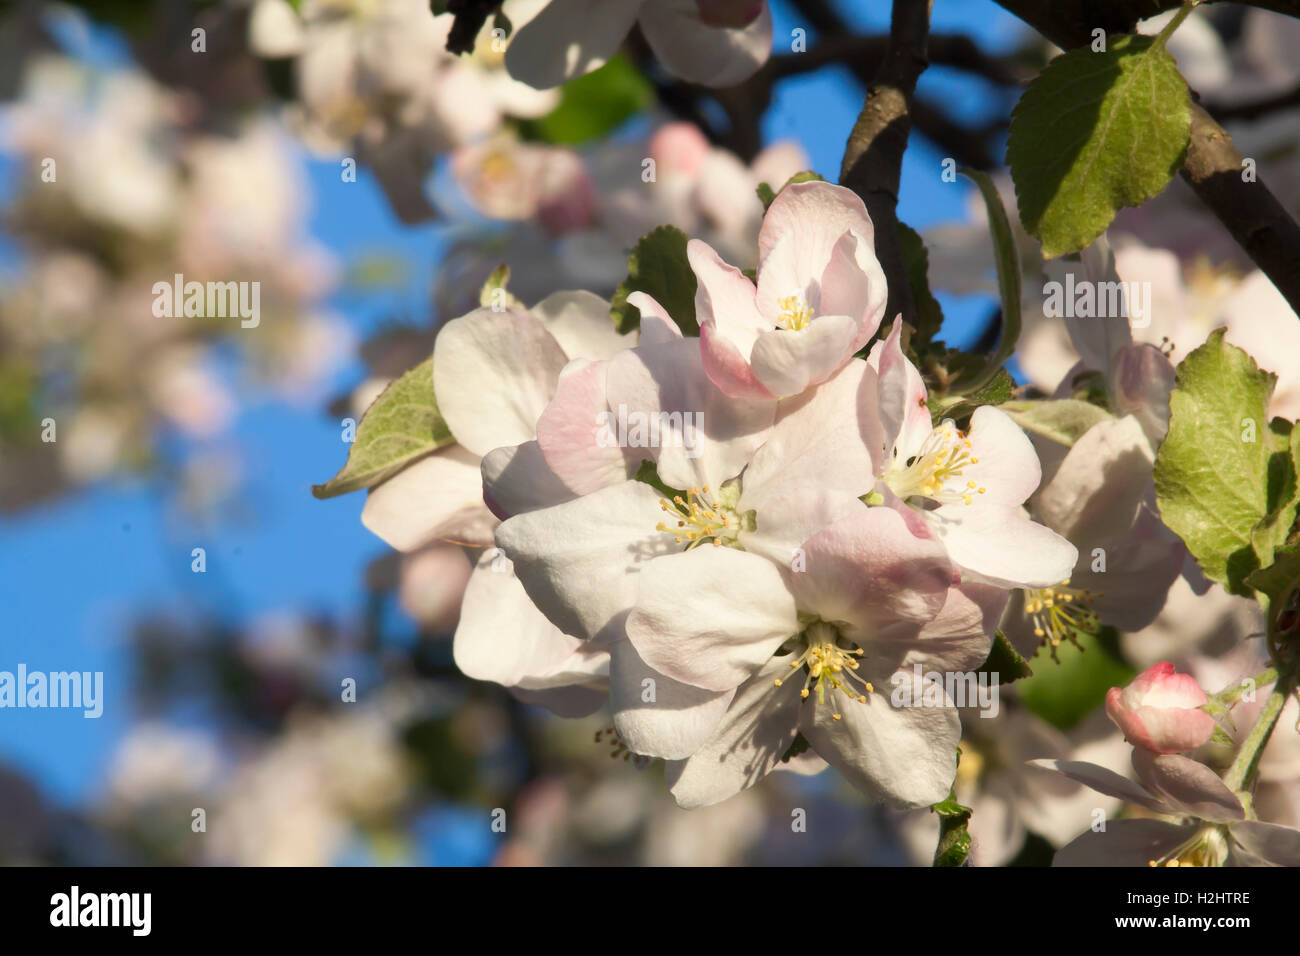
(873,157)
(1212,166)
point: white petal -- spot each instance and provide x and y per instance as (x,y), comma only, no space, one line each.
(579,561)
(437,498)
(904,414)
(903,756)
(704,437)
(1002,546)
(517,479)
(1095,494)
(675,720)
(699,53)
(579,321)
(788,362)
(1124,843)
(1103,781)
(711,616)
(569,38)
(502,637)
(1187,785)
(493,373)
(824,439)
(578,434)
(1274,844)
(751,739)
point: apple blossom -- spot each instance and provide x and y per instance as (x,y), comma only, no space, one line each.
(819,297)
(814,653)
(968,487)
(1204,822)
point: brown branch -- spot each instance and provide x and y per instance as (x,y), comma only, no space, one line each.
(873,157)
(1213,165)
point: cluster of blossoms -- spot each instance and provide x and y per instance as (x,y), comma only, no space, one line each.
(777,538)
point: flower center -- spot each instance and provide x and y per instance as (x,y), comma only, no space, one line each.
(795,313)
(829,666)
(698,518)
(1207,847)
(1061,613)
(936,471)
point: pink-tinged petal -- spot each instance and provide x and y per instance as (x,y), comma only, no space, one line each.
(1271,843)
(902,756)
(569,38)
(657,326)
(1124,843)
(578,434)
(657,716)
(711,616)
(788,362)
(789,519)
(517,479)
(1162,686)
(1160,730)
(904,413)
(579,322)
(1099,336)
(1104,781)
(694,433)
(1096,493)
(727,367)
(437,498)
(725,298)
(690,48)
(815,214)
(826,438)
(1187,786)
(502,637)
(961,634)
(853,284)
(1000,545)
(749,742)
(579,561)
(1141,378)
(868,570)
(1007,464)
(493,373)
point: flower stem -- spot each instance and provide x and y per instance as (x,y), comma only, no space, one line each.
(1174,24)
(1247,759)
(1232,693)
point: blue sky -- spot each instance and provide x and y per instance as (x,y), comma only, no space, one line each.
(73,574)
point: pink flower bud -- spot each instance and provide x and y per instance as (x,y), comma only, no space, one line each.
(1160,711)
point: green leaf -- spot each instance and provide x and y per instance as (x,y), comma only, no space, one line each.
(594,105)
(1283,492)
(765,194)
(658,267)
(401,426)
(1279,579)
(1005,661)
(1095,132)
(1065,693)
(1062,420)
(916,261)
(1007,258)
(1212,472)
(960,408)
